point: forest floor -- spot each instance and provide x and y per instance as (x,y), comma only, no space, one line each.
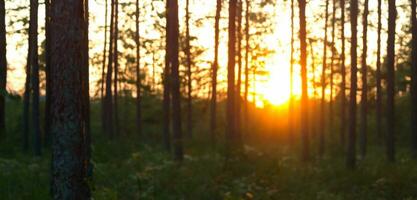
(126,169)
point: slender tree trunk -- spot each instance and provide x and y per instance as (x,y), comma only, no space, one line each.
(239,72)
(291,103)
(323,87)
(3,69)
(34,63)
(189,78)
(68,125)
(414,78)
(364,97)
(343,120)
(332,60)
(314,98)
(304,84)
(48,137)
(213,118)
(231,106)
(392,14)
(103,70)
(116,67)
(247,48)
(176,98)
(109,95)
(167,84)
(138,74)
(379,76)
(351,147)
(88,166)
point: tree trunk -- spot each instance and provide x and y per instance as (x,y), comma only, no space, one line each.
(414,78)
(68,125)
(213,124)
(247,49)
(48,137)
(392,14)
(103,70)
(189,78)
(116,67)
(33,62)
(343,83)
(351,147)
(138,74)
(291,103)
(231,106)
(3,69)
(109,95)
(167,84)
(304,84)
(332,60)
(364,97)
(176,97)
(379,76)
(239,71)
(323,87)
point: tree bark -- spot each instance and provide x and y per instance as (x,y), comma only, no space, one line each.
(167,84)
(103,70)
(48,137)
(364,97)
(116,67)
(213,120)
(332,61)
(392,14)
(68,125)
(379,76)
(304,84)
(323,87)
(189,78)
(231,106)
(343,120)
(109,95)
(3,69)
(239,71)
(351,147)
(247,49)
(138,74)
(414,78)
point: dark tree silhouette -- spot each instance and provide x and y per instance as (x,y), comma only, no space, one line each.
(322,131)
(392,14)
(239,69)
(378,75)
(33,61)
(68,125)
(189,77)
(291,102)
(364,70)
(213,111)
(173,34)
(304,84)
(3,68)
(167,84)
(247,49)
(351,147)
(116,67)
(343,72)
(332,66)
(138,74)
(231,106)
(103,70)
(414,77)
(108,112)
(48,137)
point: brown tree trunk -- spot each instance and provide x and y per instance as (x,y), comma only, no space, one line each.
(291,103)
(239,71)
(343,83)
(176,97)
(379,76)
(47,135)
(364,97)
(304,84)
(323,87)
(167,84)
(247,49)
(103,70)
(213,124)
(231,106)
(351,147)
(189,78)
(138,74)
(3,69)
(332,61)
(390,136)
(68,125)
(109,129)
(414,78)
(116,67)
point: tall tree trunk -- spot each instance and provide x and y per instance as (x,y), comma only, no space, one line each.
(189,78)
(167,84)
(379,76)
(304,84)
(239,71)
(323,87)
(47,134)
(332,60)
(33,62)
(343,83)
(247,48)
(68,125)
(392,14)
(85,74)
(291,103)
(351,147)
(109,94)
(414,78)
(364,97)
(138,74)
(116,67)
(213,118)
(103,69)
(314,98)
(176,97)
(231,106)
(3,69)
